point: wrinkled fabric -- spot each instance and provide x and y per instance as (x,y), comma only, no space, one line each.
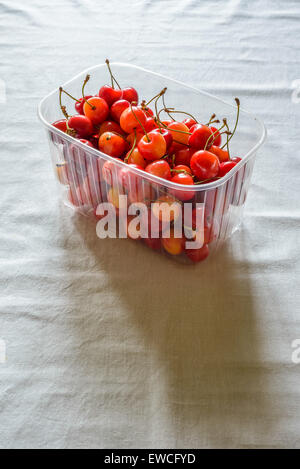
(108,344)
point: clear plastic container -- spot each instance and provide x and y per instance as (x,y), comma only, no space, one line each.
(80,171)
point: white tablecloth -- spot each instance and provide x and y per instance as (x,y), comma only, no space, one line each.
(107,344)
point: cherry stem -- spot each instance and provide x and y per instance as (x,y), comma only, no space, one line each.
(180,171)
(236,122)
(211,120)
(213,136)
(183,112)
(173,130)
(164,105)
(111,76)
(136,117)
(133,147)
(227,139)
(63,108)
(161,93)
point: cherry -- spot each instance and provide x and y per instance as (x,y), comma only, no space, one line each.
(152,146)
(132,118)
(60,124)
(153,243)
(94,140)
(166,134)
(109,94)
(221,154)
(182,168)
(135,157)
(117,108)
(128,179)
(189,122)
(185,179)
(86,142)
(61,173)
(110,126)
(165,215)
(199,137)
(197,255)
(79,104)
(82,124)
(205,165)
(96,109)
(130,94)
(172,245)
(226,166)
(217,138)
(236,159)
(159,168)
(112,144)
(150,124)
(180,133)
(184,155)
(108,171)
(135,137)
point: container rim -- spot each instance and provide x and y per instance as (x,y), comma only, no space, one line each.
(166,183)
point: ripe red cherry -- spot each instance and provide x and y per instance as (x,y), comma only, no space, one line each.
(112,144)
(130,118)
(159,168)
(183,156)
(153,243)
(61,125)
(130,94)
(185,179)
(152,146)
(110,126)
(135,137)
(79,105)
(199,137)
(96,109)
(189,122)
(82,125)
(236,159)
(205,165)
(226,167)
(182,168)
(117,108)
(197,255)
(128,179)
(109,94)
(108,171)
(166,134)
(180,133)
(150,124)
(217,138)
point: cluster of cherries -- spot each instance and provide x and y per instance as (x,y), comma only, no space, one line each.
(184,152)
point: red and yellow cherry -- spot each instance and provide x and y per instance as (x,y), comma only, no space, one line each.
(110,126)
(226,166)
(61,173)
(217,138)
(79,105)
(113,196)
(189,122)
(205,165)
(96,109)
(148,111)
(112,144)
(152,146)
(180,133)
(172,245)
(109,94)
(220,153)
(81,124)
(60,124)
(198,255)
(136,158)
(182,168)
(199,137)
(159,168)
(135,137)
(130,94)
(117,108)
(131,118)
(128,179)
(166,134)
